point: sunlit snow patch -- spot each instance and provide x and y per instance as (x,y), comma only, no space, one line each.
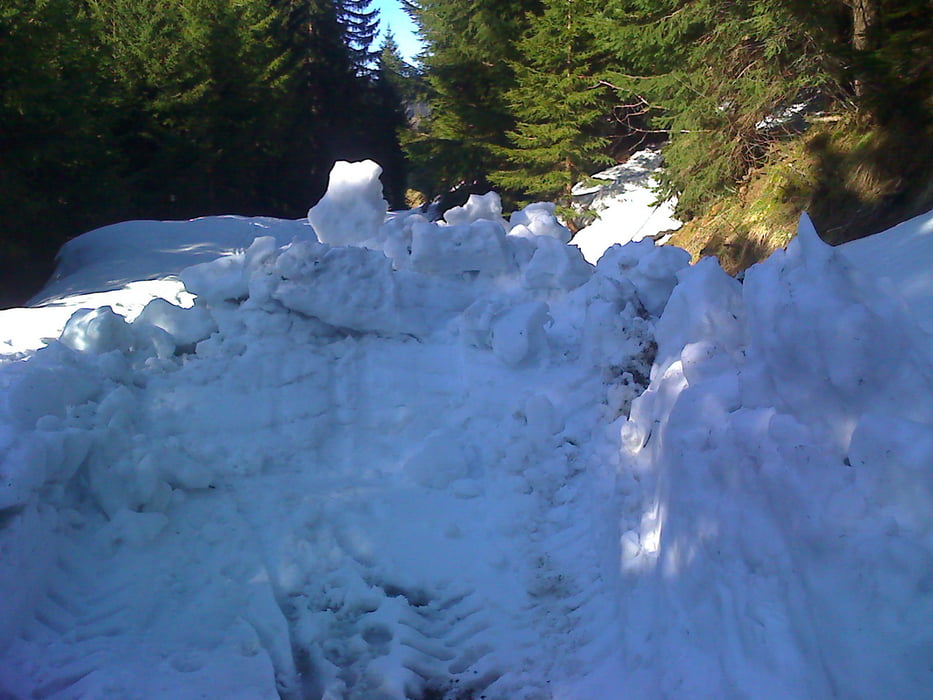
(627,208)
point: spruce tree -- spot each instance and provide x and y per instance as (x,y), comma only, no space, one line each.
(405,79)
(193,82)
(323,89)
(117,109)
(559,102)
(360,26)
(710,73)
(390,87)
(54,113)
(469,54)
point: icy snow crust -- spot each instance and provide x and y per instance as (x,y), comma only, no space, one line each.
(457,459)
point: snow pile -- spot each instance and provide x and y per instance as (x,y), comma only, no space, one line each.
(455,460)
(112,257)
(352,210)
(627,208)
(787,522)
(339,472)
(899,256)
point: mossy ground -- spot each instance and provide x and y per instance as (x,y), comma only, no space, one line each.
(854,178)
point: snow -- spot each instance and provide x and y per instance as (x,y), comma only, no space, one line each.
(893,256)
(538,219)
(352,209)
(784,117)
(626,208)
(405,458)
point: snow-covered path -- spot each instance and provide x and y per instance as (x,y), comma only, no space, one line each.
(455,461)
(326,510)
(362,514)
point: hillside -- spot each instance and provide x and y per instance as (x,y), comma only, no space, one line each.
(853,178)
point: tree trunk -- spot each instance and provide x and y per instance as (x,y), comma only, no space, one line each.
(865,16)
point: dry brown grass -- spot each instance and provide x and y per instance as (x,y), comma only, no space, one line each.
(852,177)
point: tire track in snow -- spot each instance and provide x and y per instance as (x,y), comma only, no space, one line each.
(333,516)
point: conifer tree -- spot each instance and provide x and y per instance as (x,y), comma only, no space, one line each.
(360,25)
(470,47)
(390,86)
(116,109)
(709,72)
(53,111)
(559,102)
(319,117)
(404,78)
(192,82)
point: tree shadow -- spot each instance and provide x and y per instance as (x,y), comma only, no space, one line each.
(868,187)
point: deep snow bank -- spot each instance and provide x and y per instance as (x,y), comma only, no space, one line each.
(456,458)
(786,444)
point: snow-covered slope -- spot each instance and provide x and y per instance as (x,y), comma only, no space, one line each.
(625,204)
(455,460)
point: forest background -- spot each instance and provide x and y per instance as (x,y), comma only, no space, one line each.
(169,109)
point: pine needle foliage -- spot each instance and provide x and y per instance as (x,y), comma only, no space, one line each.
(559,103)
(715,75)
(469,67)
(121,109)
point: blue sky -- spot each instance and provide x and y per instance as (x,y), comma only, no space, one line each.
(392,15)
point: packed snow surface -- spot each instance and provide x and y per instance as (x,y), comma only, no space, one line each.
(407,459)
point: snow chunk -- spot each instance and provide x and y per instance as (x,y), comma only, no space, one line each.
(349,288)
(186,326)
(703,315)
(97,331)
(538,219)
(352,209)
(228,278)
(219,280)
(49,391)
(518,335)
(651,269)
(478,207)
(477,247)
(555,265)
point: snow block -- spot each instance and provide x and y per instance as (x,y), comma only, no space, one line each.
(518,335)
(352,209)
(478,207)
(97,331)
(538,219)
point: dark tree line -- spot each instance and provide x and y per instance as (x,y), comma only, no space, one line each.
(120,109)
